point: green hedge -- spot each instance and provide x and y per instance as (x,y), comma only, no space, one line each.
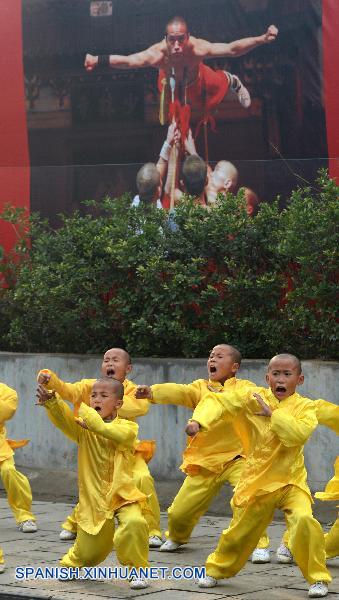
(126,278)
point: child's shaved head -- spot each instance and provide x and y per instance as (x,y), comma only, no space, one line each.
(287,356)
(121,351)
(234,351)
(116,386)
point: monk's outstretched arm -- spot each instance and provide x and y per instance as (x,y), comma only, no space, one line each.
(151,57)
(238,47)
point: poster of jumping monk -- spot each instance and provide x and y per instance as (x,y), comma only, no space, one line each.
(184,80)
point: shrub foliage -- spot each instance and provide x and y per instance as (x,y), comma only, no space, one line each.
(129,278)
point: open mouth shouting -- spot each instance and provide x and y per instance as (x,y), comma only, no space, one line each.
(280,390)
(110,372)
(212,372)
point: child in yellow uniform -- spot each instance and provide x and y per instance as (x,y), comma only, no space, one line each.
(212,458)
(116,363)
(273,424)
(106,486)
(327,415)
(332,493)
(17,486)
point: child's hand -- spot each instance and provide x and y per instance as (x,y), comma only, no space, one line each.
(43,395)
(266,409)
(81,422)
(192,428)
(143,391)
(44,377)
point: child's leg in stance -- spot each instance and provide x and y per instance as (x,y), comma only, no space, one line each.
(284,555)
(194,498)
(90,550)
(69,527)
(130,541)
(145,482)
(306,538)
(18,489)
(332,540)
(238,541)
(131,536)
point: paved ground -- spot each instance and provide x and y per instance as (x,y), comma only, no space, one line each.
(61,485)
(44,549)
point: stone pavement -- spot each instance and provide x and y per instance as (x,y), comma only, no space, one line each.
(255,582)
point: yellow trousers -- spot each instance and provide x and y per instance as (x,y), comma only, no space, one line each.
(194,498)
(130,541)
(71,523)
(2,560)
(306,538)
(145,482)
(18,489)
(332,540)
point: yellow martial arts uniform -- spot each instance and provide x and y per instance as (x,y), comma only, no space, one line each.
(17,486)
(2,560)
(274,476)
(211,458)
(332,493)
(79,392)
(328,414)
(106,488)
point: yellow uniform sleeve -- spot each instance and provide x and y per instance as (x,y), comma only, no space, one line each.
(291,430)
(122,432)
(132,407)
(176,393)
(214,406)
(80,391)
(60,414)
(8,402)
(327,414)
(331,491)
(72,392)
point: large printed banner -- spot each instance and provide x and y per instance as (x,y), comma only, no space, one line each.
(68,134)
(14,152)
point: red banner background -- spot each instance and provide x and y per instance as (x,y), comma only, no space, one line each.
(14,155)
